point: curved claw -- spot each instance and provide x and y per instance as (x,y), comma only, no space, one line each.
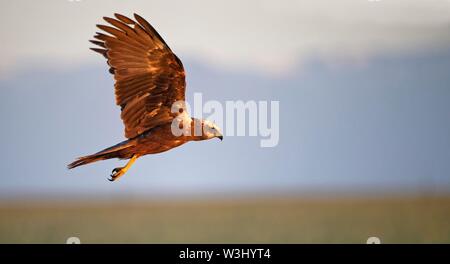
(118,172)
(115,173)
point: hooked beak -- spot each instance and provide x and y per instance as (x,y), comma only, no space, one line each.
(220,137)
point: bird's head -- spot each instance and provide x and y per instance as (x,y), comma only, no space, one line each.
(209,130)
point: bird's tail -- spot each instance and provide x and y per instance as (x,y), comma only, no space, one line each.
(116,151)
(86,160)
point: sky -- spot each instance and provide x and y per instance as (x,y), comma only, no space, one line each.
(262,35)
(363,89)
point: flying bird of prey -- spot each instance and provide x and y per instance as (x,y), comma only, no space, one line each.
(149,79)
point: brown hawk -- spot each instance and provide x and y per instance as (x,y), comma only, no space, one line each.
(149,81)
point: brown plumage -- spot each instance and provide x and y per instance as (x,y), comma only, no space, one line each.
(149,78)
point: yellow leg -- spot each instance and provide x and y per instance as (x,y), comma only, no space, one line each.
(117,172)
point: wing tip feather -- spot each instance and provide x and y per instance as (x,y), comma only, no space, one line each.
(124,19)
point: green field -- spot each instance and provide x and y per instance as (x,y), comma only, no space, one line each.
(290,220)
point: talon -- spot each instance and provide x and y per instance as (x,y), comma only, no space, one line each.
(116,173)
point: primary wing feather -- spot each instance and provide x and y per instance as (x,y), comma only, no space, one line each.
(149,78)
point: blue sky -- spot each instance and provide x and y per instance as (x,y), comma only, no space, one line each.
(377,128)
(369,119)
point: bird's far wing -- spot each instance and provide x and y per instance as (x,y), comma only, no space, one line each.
(149,78)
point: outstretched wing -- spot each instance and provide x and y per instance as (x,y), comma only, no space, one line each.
(149,78)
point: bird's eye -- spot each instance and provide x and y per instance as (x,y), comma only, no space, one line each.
(213,128)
